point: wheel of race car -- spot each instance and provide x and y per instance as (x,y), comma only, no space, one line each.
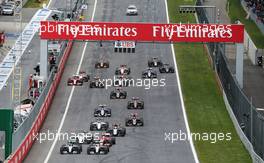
(91,128)
(61,152)
(88,151)
(113,141)
(142,105)
(149,64)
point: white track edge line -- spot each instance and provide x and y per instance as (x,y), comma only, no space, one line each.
(70,97)
(180,92)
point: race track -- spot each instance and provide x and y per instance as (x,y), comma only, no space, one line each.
(162,113)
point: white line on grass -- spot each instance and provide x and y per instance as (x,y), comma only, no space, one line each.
(70,97)
(180,92)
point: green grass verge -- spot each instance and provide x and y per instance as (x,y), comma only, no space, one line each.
(203,100)
(35,3)
(236,11)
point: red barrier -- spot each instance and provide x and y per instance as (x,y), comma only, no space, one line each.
(21,152)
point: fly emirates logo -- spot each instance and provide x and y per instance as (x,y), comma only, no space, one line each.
(192,31)
(145,32)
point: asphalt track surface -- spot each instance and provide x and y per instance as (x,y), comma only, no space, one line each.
(162,113)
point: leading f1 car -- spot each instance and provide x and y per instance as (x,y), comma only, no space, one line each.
(102,63)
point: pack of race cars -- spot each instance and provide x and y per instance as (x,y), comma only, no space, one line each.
(107,139)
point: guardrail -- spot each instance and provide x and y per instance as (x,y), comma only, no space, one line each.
(24,147)
(249,123)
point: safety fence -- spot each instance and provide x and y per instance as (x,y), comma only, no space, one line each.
(249,123)
(39,113)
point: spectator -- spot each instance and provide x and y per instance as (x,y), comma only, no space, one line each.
(257,7)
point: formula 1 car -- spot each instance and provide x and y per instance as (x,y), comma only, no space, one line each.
(102,64)
(107,139)
(122,70)
(134,120)
(118,93)
(166,68)
(155,62)
(97,148)
(149,73)
(135,103)
(102,111)
(117,131)
(75,80)
(97,83)
(83,76)
(122,81)
(99,125)
(71,148)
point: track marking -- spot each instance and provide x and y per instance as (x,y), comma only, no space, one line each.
(70,97)
(180,92)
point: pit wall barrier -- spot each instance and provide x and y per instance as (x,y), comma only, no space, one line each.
(23,149)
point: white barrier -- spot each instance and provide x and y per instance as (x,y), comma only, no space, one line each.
(250,48)
(14,55)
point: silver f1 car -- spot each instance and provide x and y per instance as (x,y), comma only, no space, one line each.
(155,62)
(99,125)
(122,70)
(102,111)
(134,120)
(135,103)
(97,148)
(118,93)
(166,68)
(117,131)
(71,148)
(97,83)
(149,73)
(102,64)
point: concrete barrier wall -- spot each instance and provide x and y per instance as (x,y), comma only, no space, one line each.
(250,48)
(25,146)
